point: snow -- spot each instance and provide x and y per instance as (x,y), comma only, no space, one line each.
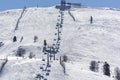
(81,41)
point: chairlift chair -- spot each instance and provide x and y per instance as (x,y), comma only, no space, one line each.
(43,59)
(41,67)
(48,65)
(45,79)
(47,74)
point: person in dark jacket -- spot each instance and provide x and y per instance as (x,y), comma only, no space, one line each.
(106,69)
(14,39)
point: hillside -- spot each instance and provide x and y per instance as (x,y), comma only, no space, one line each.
(81,41)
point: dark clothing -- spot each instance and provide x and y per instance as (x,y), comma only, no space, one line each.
(106,68)
(14,39)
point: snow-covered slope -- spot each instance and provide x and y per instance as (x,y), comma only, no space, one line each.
(81,41)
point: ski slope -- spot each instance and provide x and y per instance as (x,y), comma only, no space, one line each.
(81,41)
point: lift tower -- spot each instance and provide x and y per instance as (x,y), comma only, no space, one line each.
(63,2)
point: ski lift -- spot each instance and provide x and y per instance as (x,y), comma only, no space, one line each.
(57,24)
(48,65)
(56,28)
(38,76)
(41,67)
(43,59)
(58,15)
(44,48)
(58,19)
(43,64)
(51,56)
(43,70)
(47,74)
(59,32)
(58,38)
(48,70)
(61,25)
(58,44)
(45,79)
(45,53)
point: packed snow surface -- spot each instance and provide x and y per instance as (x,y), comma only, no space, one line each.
(81,41)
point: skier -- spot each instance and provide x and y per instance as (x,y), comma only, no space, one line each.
(106,69)
(91,19)
(14,39)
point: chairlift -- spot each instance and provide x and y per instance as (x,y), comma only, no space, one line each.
(43,70)
(48,70)
(45,79)
(61,25)
(57,24)
(58,15)
(54,39)
(47,74)
(59,38)
(51,56)
(55,33)
(38,75)
(58,19)
(54,51)
(53,44)
(58,44)
(45,53)
(43,59)
(59,32)
(41,67)
(48,65)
